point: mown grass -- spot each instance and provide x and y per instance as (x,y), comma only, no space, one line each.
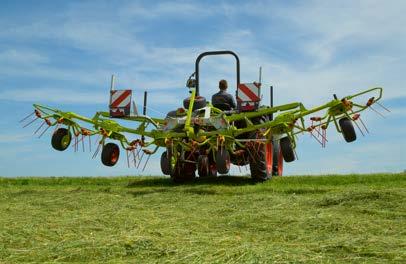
(352,218)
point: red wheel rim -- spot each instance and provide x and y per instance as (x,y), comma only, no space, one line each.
(114,156)
(269,157)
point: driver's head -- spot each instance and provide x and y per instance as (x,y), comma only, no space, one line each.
(223,85)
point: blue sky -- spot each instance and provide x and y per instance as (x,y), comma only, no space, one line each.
(62,53)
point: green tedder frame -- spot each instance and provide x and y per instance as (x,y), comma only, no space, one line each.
(208,139)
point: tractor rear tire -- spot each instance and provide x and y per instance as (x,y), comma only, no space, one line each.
(347,129)
(110,154)
(223,161)
(277,168)
(61,139)
(261,162)
(287,149)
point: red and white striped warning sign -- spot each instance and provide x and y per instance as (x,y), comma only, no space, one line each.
(248,92)
(120,98)
(120,103)
(248,96)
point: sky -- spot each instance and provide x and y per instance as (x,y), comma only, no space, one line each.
(62,54)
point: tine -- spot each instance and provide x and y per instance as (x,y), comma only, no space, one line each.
(97,140)
(297,157)
(318,140)
(32,121)
(146,162)
(362,122)
(134,159)
(381,105)
(79,140)
(138,154)
(43,132)
(83,143)
(76,144)
(25,118)
(139,161)
(377,112)
(90,144)
(128,160)
(56,127)
(359,128)
(42,124)
(96,152)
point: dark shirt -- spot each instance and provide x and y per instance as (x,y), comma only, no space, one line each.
(221,98)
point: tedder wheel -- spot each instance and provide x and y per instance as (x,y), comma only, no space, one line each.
(223,161)
(287,149)
(165,165)
(203,166)
(110,154)
(261,161)
(277,168)
(61,139)
(347,129)
(182,171)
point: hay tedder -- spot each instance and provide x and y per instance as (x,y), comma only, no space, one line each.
(205,137)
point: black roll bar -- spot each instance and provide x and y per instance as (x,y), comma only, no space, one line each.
(218,52)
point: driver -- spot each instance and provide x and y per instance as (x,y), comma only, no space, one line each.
(222,99)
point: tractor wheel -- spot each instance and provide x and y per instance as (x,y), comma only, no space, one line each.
(200,102)
(203,166)
(277,168)
(61,139)
(110,154)
(347,129)
(287,149)
(223,161)
(165,165)
(261,161)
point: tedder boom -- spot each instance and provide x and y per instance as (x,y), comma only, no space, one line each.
(205,137)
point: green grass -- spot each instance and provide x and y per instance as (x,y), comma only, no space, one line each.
(352,218)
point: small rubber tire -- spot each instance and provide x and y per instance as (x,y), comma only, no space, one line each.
(61,139)
(203,166)
(287,149)
(199,102)
(347,129)
(183,171)
(165,166)
(110,154)
(223,161)
(277,168)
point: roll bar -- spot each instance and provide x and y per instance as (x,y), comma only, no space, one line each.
(218,52)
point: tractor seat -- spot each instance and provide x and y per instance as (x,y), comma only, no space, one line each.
(223,106)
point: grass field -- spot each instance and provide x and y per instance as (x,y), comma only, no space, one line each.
(352,218)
